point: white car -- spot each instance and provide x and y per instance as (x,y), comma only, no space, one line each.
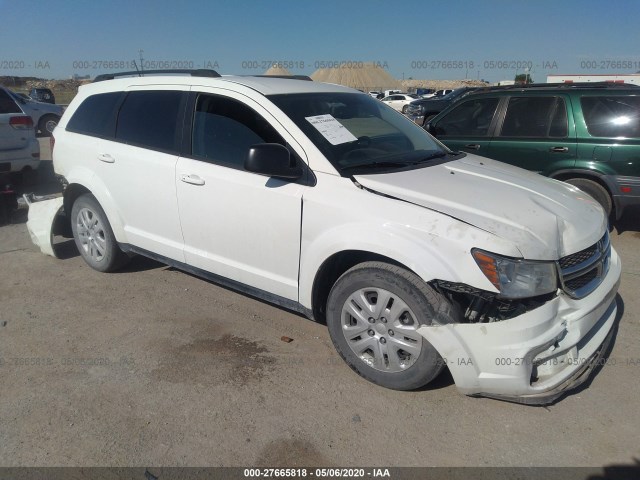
(317,198)
(399,101)
(19,148)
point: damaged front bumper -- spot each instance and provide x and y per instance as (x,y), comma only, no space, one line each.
(534,358)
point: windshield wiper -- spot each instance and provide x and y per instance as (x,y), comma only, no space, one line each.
(378,165)
(434,155)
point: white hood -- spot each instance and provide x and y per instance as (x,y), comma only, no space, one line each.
(545,219)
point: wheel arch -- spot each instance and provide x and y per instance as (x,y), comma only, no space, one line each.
(333,267)
(80,186)
(593,175)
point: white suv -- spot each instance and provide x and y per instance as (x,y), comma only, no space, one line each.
(318,198)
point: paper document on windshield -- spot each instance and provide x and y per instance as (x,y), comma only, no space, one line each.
(331,129)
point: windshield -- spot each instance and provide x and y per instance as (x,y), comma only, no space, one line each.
(355,131)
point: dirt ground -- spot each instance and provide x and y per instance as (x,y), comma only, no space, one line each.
(152,366)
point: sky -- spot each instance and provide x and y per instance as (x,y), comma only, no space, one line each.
(490,39)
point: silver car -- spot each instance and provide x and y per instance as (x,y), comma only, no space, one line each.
(45,115)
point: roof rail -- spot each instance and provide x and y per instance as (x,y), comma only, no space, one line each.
(572,85)
(291,77)
(142,73)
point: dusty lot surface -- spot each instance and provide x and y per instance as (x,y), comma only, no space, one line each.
(152,366)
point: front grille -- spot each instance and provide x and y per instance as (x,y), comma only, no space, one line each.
(578,258)
(581,281)
(582,272)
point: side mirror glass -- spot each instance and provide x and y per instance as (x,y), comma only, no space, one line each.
(272,160)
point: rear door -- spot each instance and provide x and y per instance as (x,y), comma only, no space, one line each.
(136,165)
(10,138)
(536,133)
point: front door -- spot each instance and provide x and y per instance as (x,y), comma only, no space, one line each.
(237,224)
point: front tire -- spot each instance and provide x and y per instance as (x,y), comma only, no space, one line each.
(373,313)
(93,235)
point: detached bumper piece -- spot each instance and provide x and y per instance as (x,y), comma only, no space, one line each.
(41,223)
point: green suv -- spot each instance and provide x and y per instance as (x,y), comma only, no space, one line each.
(587,135)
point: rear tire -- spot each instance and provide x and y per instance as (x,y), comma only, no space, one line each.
(596,191)
(47,124)
(373,313)
(93,235)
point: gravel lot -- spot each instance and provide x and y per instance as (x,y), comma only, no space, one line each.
(152,366)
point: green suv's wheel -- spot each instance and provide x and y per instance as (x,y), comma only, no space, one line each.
(373,313)
(597,191)
(93,235)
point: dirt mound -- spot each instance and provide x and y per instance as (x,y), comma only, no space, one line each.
(411,85)
(276,70)
(360,75)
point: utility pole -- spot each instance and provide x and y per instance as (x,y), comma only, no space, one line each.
(141,60)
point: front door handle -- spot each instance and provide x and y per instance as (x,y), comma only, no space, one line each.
(106,158)
(192,179)
(559,149)
(472,146)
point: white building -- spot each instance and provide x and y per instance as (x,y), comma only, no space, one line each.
(633,78)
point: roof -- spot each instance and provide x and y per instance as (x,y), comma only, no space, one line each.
(545,87)
(264,84)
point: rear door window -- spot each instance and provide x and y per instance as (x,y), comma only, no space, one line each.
(612,116)
(150,119)
(535,117)
(96,116)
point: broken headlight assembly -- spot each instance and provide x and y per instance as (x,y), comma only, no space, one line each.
(517,278)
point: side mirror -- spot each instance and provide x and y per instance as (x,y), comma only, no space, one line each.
(271,160)
(430,128)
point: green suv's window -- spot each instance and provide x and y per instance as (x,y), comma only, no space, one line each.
(612,116)
(470,119)
(535,117)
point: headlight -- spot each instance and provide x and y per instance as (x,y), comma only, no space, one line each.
(516,278)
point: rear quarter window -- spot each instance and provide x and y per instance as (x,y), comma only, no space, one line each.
(612,116)
(96,116)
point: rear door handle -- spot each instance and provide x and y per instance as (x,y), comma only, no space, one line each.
(106,158)
(559,149)
(472,146)
(192,179)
